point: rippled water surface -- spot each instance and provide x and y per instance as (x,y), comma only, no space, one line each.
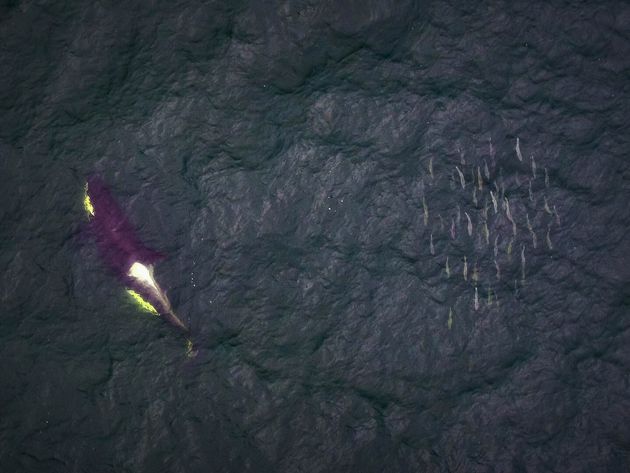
(397,231)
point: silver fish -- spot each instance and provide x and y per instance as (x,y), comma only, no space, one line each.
(494,201)
(546,206)
(546,178)
(517,148)
(425,207)
(549,238)
(507,209)
(462,181)
(533,166)
(486,232)
(465,269)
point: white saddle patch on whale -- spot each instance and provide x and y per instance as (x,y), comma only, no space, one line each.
(141,273)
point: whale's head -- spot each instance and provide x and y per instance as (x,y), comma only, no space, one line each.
(147,289)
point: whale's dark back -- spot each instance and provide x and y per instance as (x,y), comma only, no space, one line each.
(115,236)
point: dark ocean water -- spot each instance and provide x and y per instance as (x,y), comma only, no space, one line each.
(299,162)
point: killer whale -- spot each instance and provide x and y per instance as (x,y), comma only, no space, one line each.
(121,249)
